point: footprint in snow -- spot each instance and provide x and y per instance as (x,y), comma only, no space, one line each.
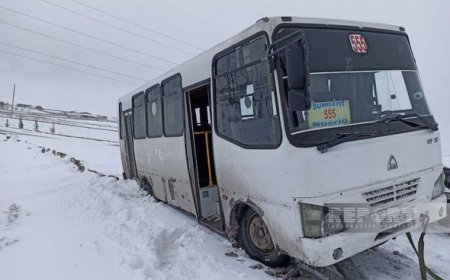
(12,215)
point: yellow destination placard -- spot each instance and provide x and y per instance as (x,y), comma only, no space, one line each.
(329,114)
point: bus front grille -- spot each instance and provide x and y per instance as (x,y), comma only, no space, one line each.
(395,192)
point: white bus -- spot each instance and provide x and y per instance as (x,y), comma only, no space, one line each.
(267,135)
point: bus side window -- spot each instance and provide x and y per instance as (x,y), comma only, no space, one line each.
(246,110)
(154,111)
(139,121)
(173,106)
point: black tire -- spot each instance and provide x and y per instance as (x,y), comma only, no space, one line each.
(255,239)
(447,176)
(145,186)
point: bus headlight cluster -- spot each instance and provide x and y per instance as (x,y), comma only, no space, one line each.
(319,221)
(438,188)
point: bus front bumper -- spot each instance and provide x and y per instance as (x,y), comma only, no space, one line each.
(335,248)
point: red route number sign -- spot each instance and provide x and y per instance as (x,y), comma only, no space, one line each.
(329,114)
(358,43)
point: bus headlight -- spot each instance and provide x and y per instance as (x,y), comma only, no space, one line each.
(319,221)
(312,218)
(438,188)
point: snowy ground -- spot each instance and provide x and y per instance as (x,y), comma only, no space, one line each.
(86,129)
(58,223)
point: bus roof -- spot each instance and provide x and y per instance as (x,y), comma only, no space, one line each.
(202,62)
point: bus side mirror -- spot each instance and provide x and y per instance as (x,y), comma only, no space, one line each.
(298,100)
(297,76)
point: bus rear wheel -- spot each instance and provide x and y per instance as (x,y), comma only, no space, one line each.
(146,186)
(255,239)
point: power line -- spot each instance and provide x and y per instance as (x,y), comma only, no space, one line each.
(88,35)
(81,46)
(191,15)
(71,61)
(138,25)
(67,67)
(118,28)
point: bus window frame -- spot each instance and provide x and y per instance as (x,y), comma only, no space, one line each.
(182,105)
(162,110)
(315,26)
(120,121)
(214,95)
(132,109)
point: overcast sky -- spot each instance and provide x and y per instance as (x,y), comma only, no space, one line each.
(135,54)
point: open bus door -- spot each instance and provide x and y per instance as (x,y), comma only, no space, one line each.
(201,160)
(130,170)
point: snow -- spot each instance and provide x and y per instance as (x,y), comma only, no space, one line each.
(75,225)
(88,129)
(153,240)
(446,160)
(58,223)
(101,155)
(48,243)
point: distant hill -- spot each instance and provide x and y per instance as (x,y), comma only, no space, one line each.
(37,111)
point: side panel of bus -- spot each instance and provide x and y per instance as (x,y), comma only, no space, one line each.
(150,163)
(178,185)
(161,160)
(248,137)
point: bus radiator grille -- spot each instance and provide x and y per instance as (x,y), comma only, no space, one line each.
(391,193)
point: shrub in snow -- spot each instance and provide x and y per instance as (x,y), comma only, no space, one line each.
(20,125)
(7,123)
(36,125)
(13,212)
(52,129)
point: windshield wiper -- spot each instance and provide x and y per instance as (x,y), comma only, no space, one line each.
(433,126)
(345,137)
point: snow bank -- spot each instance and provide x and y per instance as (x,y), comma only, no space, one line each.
(153,240)
(73,225)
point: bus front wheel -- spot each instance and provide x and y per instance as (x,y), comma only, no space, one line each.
(255,239)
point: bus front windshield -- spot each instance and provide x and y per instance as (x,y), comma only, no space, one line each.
(357,78)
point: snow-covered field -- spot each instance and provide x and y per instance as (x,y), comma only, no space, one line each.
(83,128)
(58,223)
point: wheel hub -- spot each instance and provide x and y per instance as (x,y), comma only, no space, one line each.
(259,235)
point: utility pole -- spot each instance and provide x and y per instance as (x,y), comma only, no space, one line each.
(12,106)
